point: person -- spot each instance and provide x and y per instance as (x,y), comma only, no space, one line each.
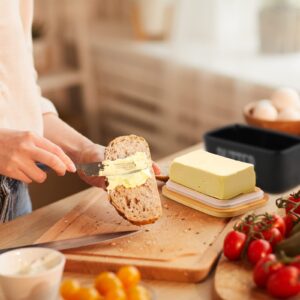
(30,128)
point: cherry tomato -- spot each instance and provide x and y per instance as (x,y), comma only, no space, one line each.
(295,198)
(296,263)
(257,250)
(278,222)
(272,235)
(116,294)
(284,283)
(106,282)
(138,292)
(129,276)
(264,268)
(234,244)
(289,221)
(68,289)
(87,293)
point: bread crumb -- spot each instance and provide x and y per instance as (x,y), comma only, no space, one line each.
(113,244)
(166,206)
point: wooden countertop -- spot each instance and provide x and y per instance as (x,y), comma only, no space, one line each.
(27,229)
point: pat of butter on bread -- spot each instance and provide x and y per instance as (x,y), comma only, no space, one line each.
(213,175)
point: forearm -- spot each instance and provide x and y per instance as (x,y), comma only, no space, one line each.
(63,135)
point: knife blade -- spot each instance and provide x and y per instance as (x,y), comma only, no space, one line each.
(78,242)
(98,169)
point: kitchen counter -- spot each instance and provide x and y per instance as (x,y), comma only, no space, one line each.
(27,229)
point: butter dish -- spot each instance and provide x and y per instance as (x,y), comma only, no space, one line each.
(214,211)
(211,201)
(212,184)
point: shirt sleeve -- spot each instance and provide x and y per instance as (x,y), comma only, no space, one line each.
(27,16)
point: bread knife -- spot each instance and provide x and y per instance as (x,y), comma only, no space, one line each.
(78,242)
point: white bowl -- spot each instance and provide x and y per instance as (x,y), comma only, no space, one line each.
(43,285)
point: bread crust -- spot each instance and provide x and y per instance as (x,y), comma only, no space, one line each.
(140,205)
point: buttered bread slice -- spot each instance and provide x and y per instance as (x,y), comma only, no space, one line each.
(135,196)
(213,175)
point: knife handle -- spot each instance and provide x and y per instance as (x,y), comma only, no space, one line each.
(42,166)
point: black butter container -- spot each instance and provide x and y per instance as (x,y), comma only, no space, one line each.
(276,156)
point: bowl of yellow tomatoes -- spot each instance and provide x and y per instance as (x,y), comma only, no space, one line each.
(123,285)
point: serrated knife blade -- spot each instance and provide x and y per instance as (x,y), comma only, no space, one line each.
(77,242)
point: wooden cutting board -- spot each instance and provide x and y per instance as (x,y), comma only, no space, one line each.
(238,275)
(182,246)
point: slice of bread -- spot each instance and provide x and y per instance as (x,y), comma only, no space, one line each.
(140,205)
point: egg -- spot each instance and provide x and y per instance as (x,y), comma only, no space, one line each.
(264,102)
(264,109)
(284,98)
(289,114)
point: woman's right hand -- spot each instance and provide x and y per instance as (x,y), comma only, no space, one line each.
(20,150)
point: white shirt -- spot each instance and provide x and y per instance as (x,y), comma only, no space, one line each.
(21,103)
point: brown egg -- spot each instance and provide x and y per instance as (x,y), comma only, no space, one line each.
(265,110)
(284,98)
(289,114)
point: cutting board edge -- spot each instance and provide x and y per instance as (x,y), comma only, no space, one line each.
(156,272)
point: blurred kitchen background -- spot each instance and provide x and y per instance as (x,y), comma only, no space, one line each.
(168,70)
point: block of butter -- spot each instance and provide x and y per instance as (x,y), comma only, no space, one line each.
(213,175)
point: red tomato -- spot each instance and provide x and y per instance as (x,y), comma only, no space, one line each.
(284,283)
(234,244)
(289,221)
(272,235)
(296,263)
(278,222)
(295,198)
(258,249)
(264,269)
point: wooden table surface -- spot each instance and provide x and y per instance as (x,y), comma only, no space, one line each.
(27,229)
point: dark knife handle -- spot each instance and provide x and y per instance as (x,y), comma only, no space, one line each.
(42,166)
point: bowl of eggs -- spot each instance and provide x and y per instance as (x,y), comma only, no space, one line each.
(281,112)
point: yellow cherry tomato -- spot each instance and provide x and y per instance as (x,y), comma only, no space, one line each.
(138,292)
(87,293)
(130,276)
(106,282)
(116,294)
(68,288)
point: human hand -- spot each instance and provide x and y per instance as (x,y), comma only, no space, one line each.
(20,150)
(93,153)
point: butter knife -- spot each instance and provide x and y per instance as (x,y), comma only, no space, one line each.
(98,169)
(78,242)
